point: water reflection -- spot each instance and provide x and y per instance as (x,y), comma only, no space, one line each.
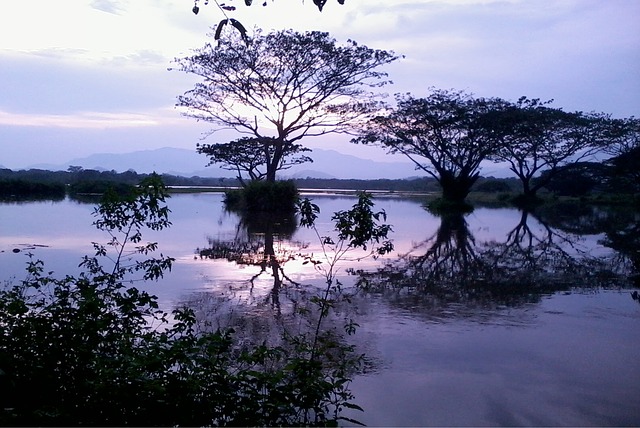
(457,320)
(262,240)
(535,258)
(618,228)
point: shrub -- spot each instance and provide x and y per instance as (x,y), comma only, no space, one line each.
(264,196)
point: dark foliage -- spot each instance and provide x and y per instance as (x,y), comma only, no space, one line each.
(576,179)
(425,184)
(264,196)
(624,173)
(19,189)
(444,134)
(100,187)
(495,185)
(251,156)
(538,141)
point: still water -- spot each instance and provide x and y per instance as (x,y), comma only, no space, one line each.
(497,317)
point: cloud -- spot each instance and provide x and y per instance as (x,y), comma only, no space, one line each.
(52,85)
(87,74)
(109,6)
(91,120)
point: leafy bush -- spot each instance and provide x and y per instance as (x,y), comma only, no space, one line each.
(264,196)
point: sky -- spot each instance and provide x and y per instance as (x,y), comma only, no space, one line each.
(79,77)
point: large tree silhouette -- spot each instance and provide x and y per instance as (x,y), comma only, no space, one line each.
(443,134)
(539,138)
(283,86)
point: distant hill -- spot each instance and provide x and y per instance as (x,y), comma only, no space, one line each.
(189,163)
(183,162)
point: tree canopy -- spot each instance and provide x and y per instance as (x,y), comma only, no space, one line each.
(623,135)
(284,86)
(247,155)
(443,134)
(536,137)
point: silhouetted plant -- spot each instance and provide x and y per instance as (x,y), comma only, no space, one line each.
(356,228)
(445,135)
(280,88)
(263,197)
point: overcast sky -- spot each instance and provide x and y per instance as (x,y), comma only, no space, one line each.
(90,76)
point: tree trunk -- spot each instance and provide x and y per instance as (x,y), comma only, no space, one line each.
(274,162)
(455,189)
(528,191)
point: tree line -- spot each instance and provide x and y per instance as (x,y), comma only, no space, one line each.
(579,180)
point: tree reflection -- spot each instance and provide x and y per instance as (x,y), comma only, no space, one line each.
(315,327)
(451,257)
(538,258)
(534,258)
(261,240)
(617,227)
(622,234)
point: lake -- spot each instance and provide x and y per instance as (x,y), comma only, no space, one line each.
(496,317)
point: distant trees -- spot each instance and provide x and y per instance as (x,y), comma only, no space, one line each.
(17,189)
(283,86)
(444,134)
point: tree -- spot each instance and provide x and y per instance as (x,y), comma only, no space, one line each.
(576,179)
(247,155)
(624,136)
(536,137)
(624,175)
(446,129)
(283,86)
(624,147)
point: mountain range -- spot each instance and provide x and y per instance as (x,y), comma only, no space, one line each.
(188,163)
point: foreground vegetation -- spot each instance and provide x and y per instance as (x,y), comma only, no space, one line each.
(94,349)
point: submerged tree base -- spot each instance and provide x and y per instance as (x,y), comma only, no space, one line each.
(527,201)
(263,196)
(442,206)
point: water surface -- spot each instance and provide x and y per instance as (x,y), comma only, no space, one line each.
(498,317)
